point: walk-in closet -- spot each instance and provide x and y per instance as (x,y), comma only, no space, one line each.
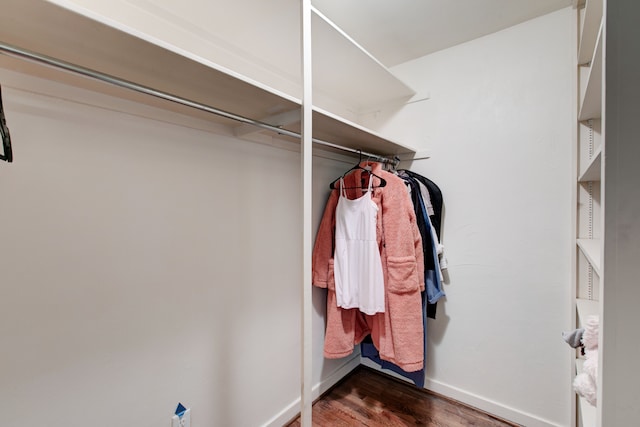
(170,174)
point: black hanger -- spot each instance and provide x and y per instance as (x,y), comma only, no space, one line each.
(4,133)
(382,183)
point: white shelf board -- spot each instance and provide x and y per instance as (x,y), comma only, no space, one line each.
(587,308)
(588,412)
(60,33)
(591,250)
(592,171)
(590,26)
(346,78)
(344,71)
(332,128)
(591,100)
(64,34)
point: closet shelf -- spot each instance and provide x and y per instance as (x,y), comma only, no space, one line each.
(591,107)
(122,52)
(592,170)
(333,128)
(344,71)
(587,411)
(347,80)
(591,22)
(591,250)
(587,308)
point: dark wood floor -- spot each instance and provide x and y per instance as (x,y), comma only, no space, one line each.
(368,398)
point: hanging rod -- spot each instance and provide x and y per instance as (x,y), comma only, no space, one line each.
(17,52)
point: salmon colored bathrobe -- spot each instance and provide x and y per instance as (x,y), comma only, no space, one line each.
(398,332)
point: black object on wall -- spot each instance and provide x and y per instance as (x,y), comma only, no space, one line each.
(4,133)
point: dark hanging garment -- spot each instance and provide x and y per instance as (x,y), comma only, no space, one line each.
(7,154)
(433,285)
(436,199)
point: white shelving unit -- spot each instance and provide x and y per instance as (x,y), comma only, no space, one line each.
(93,39)
(590,155)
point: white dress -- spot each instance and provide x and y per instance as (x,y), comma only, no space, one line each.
(357,265)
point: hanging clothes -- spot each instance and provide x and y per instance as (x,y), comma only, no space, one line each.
(432,247)
(357,264)
(435,195)
(398,333)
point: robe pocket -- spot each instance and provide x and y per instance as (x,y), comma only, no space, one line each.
(403,274)
(331,278)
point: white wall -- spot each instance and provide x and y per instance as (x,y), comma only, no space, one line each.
(498,126)
(144,263)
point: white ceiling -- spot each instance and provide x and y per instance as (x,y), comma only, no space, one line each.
(396,31)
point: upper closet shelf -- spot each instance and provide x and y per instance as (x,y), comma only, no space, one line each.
(591,100)
(345,72)
(591,20)
(333,128)
(592,171)
(93,41)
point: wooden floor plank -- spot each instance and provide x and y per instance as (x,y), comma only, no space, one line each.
(371,399)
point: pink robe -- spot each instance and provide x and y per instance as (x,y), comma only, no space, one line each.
(398,332)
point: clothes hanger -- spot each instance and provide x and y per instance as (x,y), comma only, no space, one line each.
(396,163)
(367,169)
(4,133)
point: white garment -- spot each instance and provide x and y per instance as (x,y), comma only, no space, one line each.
(426,197)
(357,265)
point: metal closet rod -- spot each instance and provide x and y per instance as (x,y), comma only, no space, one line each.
(86,72)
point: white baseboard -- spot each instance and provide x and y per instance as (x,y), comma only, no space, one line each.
(479,402)
(293,409)
(489,406)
